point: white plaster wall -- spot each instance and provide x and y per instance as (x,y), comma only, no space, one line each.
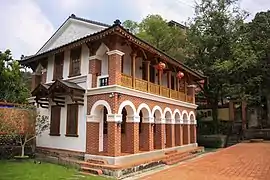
(50,68)
(138,71)
(63,142)
(127,61)
(84,60)
(71,31)
(66,64)
(164,79)
(104,65)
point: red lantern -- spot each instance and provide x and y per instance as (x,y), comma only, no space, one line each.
(160,66)
(180,75)
(201,81)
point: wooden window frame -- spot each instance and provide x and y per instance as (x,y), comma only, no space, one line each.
(68,133)
(105,122)
(61,63)
(124,121)
(71,64)
(53,123)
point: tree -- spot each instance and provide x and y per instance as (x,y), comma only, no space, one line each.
(156,31)
(259,38)
(24,125)
(12,83)
(215,41)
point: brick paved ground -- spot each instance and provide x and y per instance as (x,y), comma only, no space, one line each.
(245,161)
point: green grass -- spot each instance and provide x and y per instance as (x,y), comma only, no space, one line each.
(27,170)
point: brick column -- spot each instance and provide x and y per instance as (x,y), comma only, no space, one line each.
(92,134)
(160,134)
(191,92)
(147,140)
(114,134)
(114,64)
(178,133)
(170,133)
(186,132)
(132,125)
(193,135)
(94,69)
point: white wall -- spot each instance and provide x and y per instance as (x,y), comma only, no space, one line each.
(138,71)
(50,68)
(66,64)
(104,65)
(84,60)
(63,142)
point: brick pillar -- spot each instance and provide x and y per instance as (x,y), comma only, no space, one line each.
(193,135)
(114,134)
(95,70)
(160,134)
(147,135)
(36,80)
(191,92)
(133,137)
(115,64)
(92,137)
(178,134)
(186,134)
(170,134)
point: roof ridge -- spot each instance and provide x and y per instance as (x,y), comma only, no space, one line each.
(73,16)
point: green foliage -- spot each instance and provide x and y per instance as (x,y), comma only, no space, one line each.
(156,31)
(12,83)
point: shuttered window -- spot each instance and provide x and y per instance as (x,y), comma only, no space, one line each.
(72,120)
(55,121)
(75,62)
(58,66)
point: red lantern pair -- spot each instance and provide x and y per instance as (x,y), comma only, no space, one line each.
(180,75)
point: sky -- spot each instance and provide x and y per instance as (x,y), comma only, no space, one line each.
(27,24)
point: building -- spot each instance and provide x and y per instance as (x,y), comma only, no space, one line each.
(111,95)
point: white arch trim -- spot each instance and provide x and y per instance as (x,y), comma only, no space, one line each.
(101,103)
(185,121)
(167,109)
(127,103)
(156,108)
(175,112)
(190,114)
(143,105)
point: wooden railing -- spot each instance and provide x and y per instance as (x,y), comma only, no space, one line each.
(152,88)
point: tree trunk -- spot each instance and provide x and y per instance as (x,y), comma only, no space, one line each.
(23,146)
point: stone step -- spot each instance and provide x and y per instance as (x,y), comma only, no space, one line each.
(177,160)
(97,161)
(91,170)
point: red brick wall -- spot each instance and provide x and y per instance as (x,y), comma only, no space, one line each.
(186,134)
(95,70)
(115,69)
(92,137)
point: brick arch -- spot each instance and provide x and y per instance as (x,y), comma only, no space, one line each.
(177,115)
(145,108)
(185,115)
(191,116)
(168,111)
(130,107)
(100,103)
(157,108)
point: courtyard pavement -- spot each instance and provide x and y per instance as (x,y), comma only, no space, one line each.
(244,161)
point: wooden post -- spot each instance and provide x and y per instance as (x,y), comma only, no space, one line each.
(147,66)
(133,64)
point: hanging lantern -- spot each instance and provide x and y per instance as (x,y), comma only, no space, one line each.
(201,82)
(180,75)
(160,66)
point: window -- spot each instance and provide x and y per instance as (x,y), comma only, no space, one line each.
(75,62)
(124,119)
(72,120)
(105,124)
(58,66)
(55,121)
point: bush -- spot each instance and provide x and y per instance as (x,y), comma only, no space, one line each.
(212,141)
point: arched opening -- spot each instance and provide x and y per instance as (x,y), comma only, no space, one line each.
(186,130)
(98,120)
(169,130)
(178,129)
(158,129)
(127,109)
(192,128)
(144,127)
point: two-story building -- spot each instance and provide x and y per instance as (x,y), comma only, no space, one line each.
(111,95)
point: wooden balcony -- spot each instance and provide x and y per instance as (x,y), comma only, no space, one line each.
(145,86)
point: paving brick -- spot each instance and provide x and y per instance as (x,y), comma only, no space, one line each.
(244,161)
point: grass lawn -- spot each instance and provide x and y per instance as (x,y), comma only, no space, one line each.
(11,170)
